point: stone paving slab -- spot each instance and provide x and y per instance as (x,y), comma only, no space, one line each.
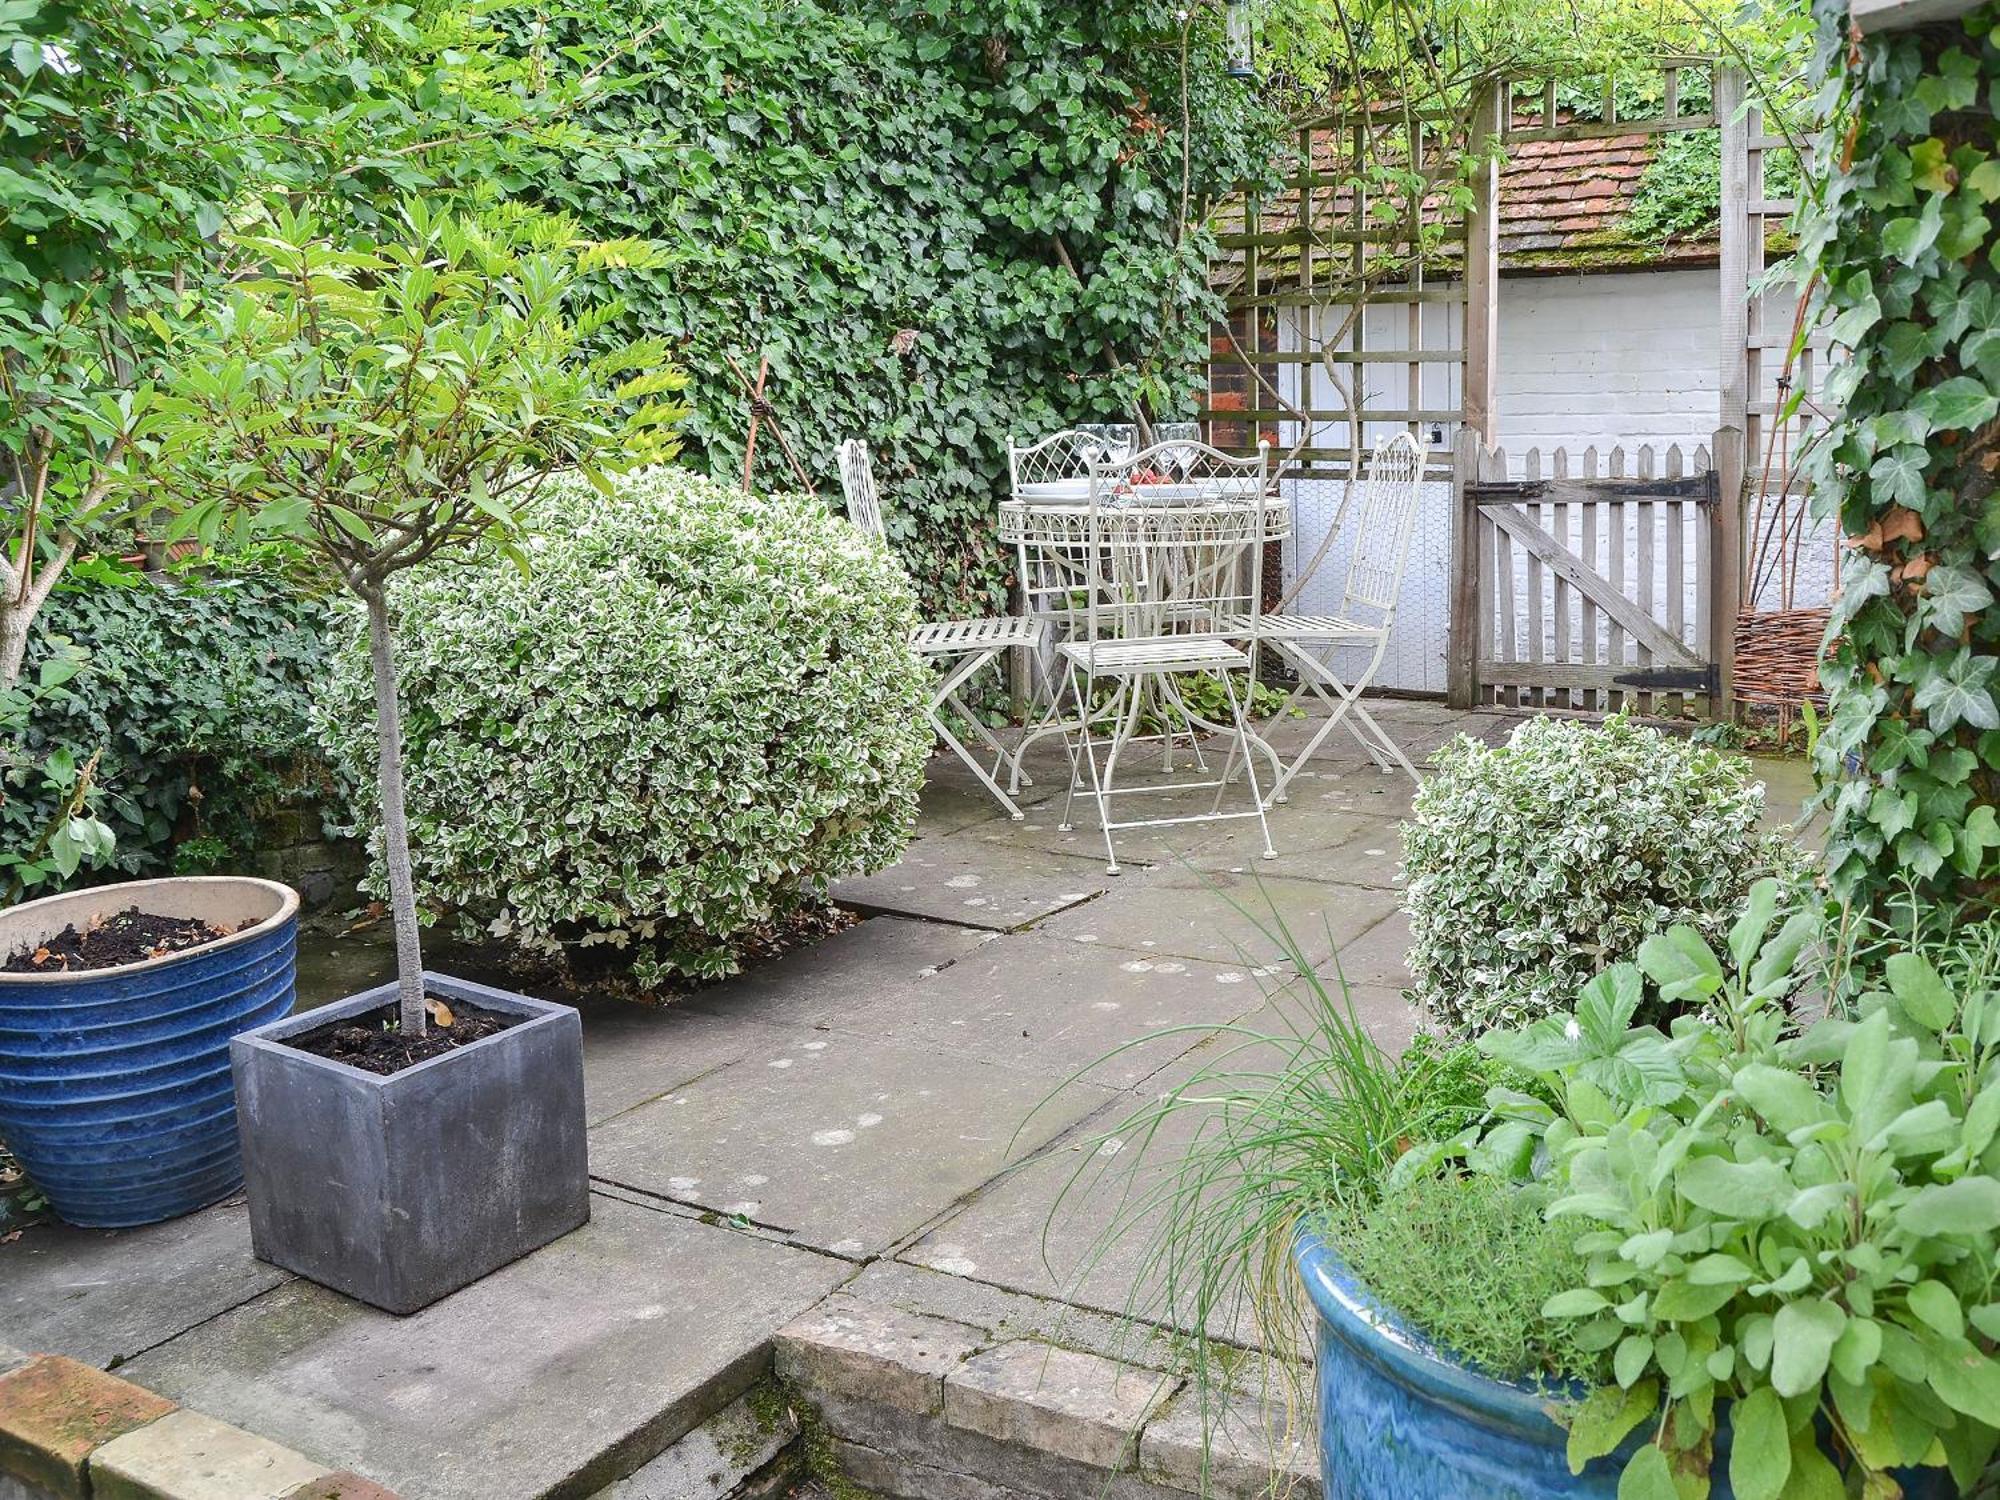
(1375,959)
(722,1459)
(104,1296)
(1061,1008)
(847,1143)
(1182,912)
(633,1056)
(952,799)
(1042,1229)
(1314,843)
(974,882)
(569,1367)
(816,986)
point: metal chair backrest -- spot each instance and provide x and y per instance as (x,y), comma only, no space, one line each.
(1175,536)
(1061,456)
(1384,524)
(857,482)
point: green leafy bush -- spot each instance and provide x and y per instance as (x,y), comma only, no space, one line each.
(1533,864)
(942,224)
(1470,1260)
(196,692)
(1800,1226)
(693,710)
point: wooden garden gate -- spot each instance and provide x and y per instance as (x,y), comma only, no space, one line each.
(1590,590)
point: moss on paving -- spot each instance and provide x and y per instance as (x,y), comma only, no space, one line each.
(817,1444)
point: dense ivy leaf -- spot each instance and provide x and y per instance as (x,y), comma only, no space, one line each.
(1958,691)
(1957,403)
(1951,593)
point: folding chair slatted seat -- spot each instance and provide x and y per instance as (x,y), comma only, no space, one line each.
(957,649)
(1383,528)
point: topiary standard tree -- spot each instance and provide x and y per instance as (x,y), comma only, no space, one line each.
(386,404)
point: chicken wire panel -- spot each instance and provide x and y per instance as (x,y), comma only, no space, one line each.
(1415,659)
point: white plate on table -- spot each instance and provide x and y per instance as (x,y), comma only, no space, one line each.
(1055,492)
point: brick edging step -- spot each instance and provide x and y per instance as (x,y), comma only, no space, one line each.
(70,1431)
(919,1407)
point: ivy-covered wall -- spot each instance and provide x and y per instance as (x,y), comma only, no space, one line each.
(1910,265)
(942,223)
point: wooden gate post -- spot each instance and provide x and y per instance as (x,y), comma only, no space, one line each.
(1482,269)
(1462,644)
(1725,560)
(1725,584)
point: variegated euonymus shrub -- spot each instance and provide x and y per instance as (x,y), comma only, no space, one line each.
(1797,1227)
(692,710)
(1534,864)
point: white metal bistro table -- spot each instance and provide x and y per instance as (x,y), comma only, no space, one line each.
(1154,530)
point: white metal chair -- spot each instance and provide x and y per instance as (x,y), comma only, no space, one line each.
(956,649)
(1172,545)
(1384,523)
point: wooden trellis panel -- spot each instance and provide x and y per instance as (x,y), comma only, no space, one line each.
(1297,249)
(1590,578)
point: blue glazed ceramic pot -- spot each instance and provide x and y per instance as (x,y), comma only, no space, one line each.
(115,1089)
(1398,1417)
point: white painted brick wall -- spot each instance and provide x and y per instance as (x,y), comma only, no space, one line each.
(1626,358)
(1630,358)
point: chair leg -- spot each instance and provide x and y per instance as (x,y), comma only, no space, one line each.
(1389,745)
(1342,701)
(946,694)
(1249,766)
(1097,782)
(1080,691)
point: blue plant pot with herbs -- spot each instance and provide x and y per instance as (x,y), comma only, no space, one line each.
(115,1086)
(1400,1416)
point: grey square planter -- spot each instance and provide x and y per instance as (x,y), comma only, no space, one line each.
(401,1189)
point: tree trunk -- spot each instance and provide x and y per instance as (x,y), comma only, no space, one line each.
(14,622)
(395,820)
(19,605)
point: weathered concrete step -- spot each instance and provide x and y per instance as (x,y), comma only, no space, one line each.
(749,1450)
(917,1407)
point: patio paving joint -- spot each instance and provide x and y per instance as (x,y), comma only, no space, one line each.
(665,1093)
(662,1202)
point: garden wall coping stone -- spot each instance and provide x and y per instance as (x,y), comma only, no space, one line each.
(184,1455)
(925,1391)
(70,1431)
(55,1412)
(868,1351)
(1077,1406)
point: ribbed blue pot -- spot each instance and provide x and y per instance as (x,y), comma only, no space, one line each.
(1398,1416)
(115,1088)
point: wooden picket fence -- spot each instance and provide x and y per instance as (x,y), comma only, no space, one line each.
(1586,583)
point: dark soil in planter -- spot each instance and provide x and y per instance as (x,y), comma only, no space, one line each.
(127,937)
(375,1042)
